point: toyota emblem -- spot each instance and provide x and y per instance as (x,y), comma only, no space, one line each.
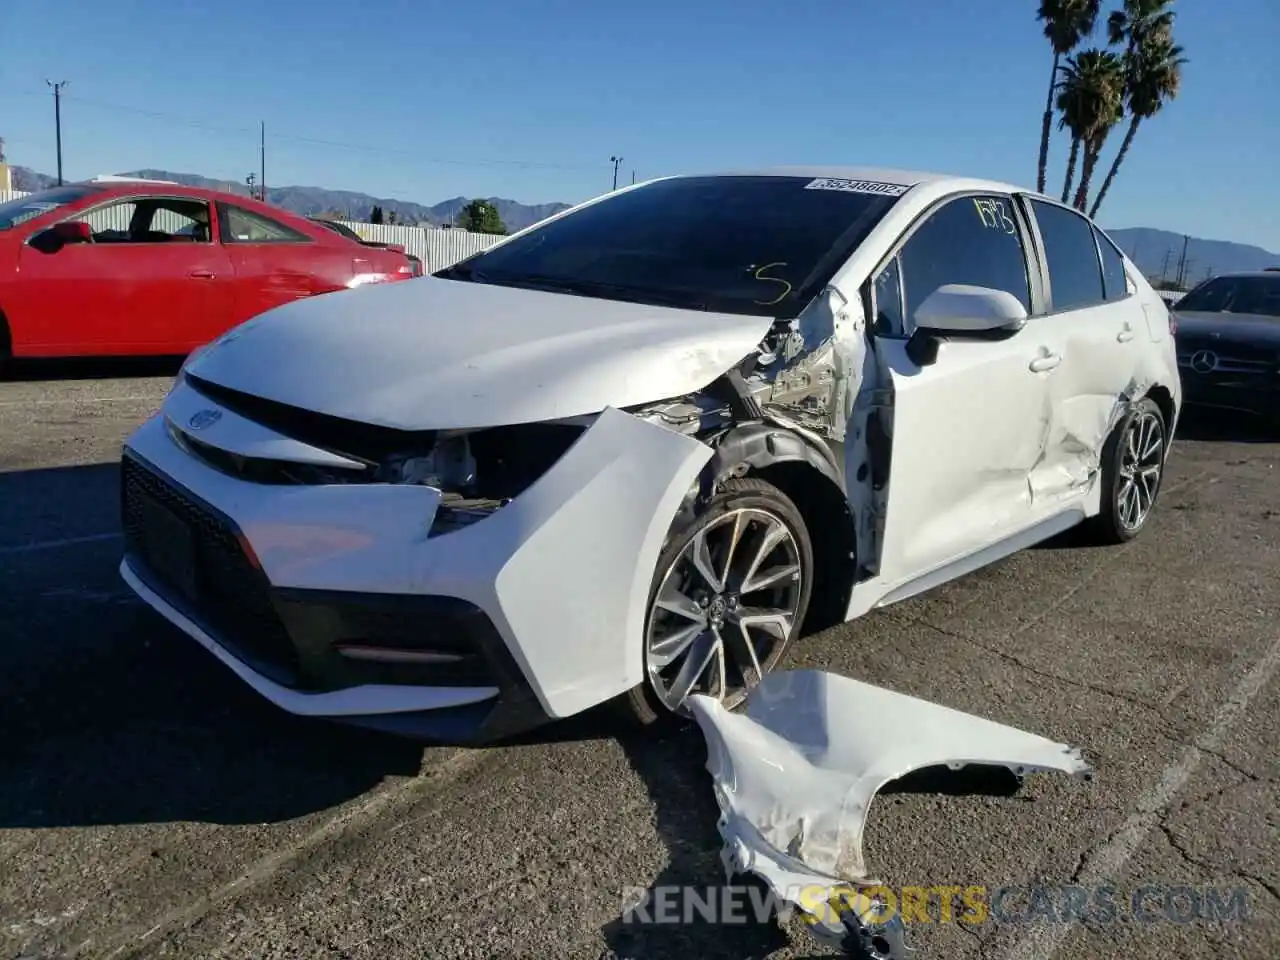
(1204,361)
(205,418)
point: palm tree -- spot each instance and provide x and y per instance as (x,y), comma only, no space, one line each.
(1091,101)
(1066,23)
(1153,69)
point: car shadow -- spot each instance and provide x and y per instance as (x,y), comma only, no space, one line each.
(90,368)
(672,765)
(1223,426)
(111,715)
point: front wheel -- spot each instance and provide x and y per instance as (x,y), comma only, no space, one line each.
(729,594)
(1132,471)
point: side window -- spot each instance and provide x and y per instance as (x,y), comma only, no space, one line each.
(1115,283)
(1075,271)
(973,240)
(148,220)
(110,224)
(245,226)
(887,293)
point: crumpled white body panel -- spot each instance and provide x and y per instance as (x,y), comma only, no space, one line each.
(563,571)
(795,773)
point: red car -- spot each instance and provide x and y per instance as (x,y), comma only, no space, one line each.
(130,267)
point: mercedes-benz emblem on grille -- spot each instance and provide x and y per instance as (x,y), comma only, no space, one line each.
(207,418)
(1204,361)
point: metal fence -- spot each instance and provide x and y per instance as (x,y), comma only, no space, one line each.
(436,247)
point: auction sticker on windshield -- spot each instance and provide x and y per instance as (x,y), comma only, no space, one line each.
(858,186)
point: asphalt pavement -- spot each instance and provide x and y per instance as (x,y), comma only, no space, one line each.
(152,806)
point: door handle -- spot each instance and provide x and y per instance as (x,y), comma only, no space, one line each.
(1126,333)
(1046,361)
(201,274)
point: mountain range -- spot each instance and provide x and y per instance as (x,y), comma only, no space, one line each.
(1158,253)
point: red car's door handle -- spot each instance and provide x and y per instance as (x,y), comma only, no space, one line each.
(201,274)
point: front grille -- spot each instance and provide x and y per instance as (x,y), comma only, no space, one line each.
(1231,358)
(221,589)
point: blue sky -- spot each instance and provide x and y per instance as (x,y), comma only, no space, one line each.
(426,100)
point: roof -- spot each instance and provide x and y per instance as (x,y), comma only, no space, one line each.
(113,178)
(906,178)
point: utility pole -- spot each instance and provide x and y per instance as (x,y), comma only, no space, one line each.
(57,119)
(633,178)
(1182,261)
(1164,268)
(616,161)
(262,159)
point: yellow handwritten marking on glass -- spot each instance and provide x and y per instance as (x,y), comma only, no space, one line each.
(781,296)
(995,215)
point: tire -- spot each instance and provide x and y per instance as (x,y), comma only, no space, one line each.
(762,510)
(1114,524)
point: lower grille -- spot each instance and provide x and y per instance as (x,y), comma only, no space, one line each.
(195,556)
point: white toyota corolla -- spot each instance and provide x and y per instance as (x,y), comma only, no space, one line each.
(633,451)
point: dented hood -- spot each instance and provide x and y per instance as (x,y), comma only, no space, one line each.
(433,354)
(1233,327)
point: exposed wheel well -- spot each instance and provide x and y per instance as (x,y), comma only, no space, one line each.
(1164,400)
(826,514)
(6,340)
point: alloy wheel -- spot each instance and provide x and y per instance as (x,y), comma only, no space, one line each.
(1141,463)
(724,609)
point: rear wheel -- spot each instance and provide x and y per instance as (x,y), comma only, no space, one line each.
(1132,471)
(729,594)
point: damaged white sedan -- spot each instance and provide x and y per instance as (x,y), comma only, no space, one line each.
(632,452)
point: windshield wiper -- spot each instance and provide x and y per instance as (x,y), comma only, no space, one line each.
(462,270)
(595,288)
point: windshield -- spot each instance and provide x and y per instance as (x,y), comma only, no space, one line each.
(14,213)
(1256,295)
(763,246)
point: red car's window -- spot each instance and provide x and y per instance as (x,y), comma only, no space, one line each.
(244,226)
(150,220)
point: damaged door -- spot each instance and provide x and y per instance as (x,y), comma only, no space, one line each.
(965,429)
(1091,305)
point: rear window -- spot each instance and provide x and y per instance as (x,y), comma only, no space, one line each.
(14,213)
(762,246)
(1256,295)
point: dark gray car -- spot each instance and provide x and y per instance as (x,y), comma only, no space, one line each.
(1228,340)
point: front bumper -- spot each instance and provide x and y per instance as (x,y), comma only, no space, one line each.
(541,605)
(1246,384)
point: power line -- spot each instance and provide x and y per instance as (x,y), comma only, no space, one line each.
(321,142)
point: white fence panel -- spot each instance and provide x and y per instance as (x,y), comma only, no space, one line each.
(436,247)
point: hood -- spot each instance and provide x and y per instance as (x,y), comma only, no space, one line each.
(1250,328)
(432,354)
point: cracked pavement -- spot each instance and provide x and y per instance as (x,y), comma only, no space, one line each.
(154,807)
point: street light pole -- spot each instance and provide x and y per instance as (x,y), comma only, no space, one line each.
(57,120)
(617,162)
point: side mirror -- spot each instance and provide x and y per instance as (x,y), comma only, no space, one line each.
(62,234)
(961,310)
(957,309)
